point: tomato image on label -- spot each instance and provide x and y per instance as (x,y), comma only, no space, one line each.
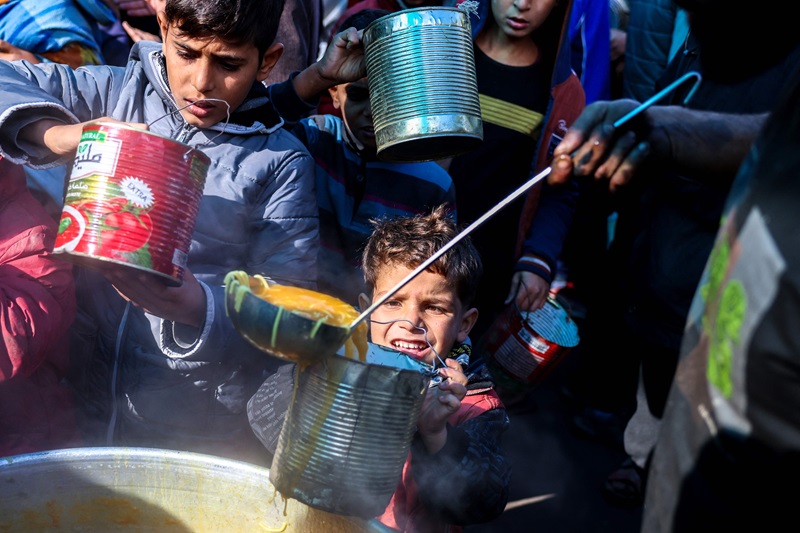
(70,229)
(119,228)
(125,231)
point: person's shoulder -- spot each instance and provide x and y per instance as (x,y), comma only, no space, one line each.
(269,152)
(324,122)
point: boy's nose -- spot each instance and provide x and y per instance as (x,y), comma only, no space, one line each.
(413,320)
(202,78)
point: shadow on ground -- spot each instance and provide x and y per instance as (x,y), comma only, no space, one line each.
(558,476)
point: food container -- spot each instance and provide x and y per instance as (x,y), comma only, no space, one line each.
(422,84)
(348,431)
(131,200)
(522,348)
(299,337)
(141,489)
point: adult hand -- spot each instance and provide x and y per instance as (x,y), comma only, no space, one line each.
(9,52)
(528,291)
(592,147)
(185,304)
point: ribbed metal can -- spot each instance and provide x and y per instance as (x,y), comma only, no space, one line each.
(132,199)
(422,84)
(348,433)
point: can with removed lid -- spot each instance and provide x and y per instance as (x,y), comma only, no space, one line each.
(132,200)
(422,84)
(521,348)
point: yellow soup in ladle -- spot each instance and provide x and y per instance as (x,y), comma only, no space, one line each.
(315,306)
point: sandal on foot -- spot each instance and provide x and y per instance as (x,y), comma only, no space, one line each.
(625,486)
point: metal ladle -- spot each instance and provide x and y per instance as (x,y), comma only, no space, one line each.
(521,190)
(296,338)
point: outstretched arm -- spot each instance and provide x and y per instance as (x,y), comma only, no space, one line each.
(702,143)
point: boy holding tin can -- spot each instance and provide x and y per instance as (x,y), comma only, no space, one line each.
(157,365)
(457,472)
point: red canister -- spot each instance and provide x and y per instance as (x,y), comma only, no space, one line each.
(132,199)
(522,348)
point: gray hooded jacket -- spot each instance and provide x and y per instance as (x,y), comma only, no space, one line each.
(149,381)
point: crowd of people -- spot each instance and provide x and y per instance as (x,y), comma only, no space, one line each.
(675,232)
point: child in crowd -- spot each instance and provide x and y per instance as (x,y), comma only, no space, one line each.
(457,473)
(354,186)
(529,96)
(37,306)
(160,365)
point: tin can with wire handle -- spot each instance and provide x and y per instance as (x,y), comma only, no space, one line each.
(131,200)
(521,348)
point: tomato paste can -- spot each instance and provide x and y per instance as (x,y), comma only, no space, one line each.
(521,348)
(132,199)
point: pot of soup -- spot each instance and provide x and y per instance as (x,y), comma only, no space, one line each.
(143,489)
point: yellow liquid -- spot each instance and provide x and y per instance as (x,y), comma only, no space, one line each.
(315,306)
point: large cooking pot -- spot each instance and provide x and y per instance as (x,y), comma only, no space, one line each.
(140,489)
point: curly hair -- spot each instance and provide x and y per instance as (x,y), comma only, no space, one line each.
(410,241)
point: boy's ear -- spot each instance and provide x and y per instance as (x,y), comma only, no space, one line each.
(162,23)
(271,56)
(468,320)
(364,301)
(334,92)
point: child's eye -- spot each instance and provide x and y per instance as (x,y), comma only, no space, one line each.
(391,304)
(435,310)
(183,54)
(230,67)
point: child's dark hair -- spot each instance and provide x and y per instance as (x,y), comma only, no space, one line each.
(410,241)
(362,18)
(234,21)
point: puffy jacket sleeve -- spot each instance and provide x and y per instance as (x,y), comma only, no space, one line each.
(29,93)
(37,299)
(467,481)
(545,238)
(286,224)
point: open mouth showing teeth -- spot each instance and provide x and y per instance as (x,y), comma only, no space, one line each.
(410,347)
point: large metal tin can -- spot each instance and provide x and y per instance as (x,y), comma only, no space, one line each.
(348,433)
(422,84)
(132,199)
